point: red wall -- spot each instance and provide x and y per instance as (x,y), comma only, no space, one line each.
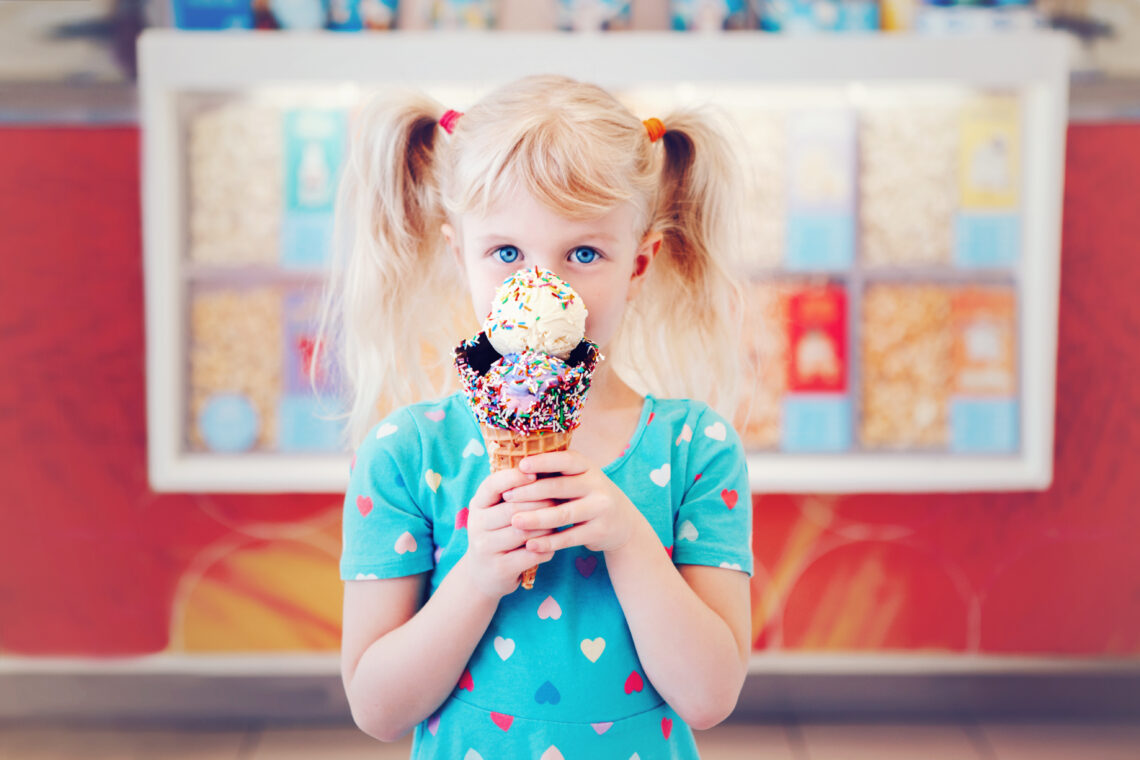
(91,559)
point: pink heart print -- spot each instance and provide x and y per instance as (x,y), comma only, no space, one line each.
(406,543)
(729,497)
(633,683)
(364,504)
(549,609)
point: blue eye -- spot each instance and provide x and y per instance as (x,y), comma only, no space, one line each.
(584,255)
(508,254)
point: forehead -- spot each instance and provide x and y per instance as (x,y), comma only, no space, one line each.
(518,213)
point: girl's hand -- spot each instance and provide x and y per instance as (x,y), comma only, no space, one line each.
(602,515)
(496,557)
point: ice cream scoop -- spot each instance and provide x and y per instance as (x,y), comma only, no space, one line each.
(535,310)
(522,380)
(525,393)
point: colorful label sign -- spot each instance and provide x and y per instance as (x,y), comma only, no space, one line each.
(817,410)
(817,341)
(988,228)
(304,418)
(984,413)
(314,151)
(984,325)
(821,190)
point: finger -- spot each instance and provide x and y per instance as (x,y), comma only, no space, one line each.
(522,559)
(493,518)
(545,489)
(577,536)
(490,491)
(499,516)
(509,539)
(566,462)
(556,516)
(516,507)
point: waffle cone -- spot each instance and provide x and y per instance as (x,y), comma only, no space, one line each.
(506,448)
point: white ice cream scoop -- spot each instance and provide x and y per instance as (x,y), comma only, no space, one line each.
(535,310)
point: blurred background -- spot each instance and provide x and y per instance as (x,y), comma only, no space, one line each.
(169,489)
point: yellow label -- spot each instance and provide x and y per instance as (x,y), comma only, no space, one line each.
(989,168)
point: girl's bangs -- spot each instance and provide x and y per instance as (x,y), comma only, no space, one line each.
(567,181)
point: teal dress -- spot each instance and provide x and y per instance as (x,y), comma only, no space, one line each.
(556,675)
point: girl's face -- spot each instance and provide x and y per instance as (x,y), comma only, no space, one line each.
(602,259)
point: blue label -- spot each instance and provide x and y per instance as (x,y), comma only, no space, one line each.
(314,153)
(987,240)
(858,15)
(594,15)
(355,15)
(820,242)
(213,14)
(299,427)
(988,426)
(707,14)
(306,240)
(229,423)
(817,15)
(344,15)
(816,423)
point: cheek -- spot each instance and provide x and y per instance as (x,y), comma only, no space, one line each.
(481,295)
(601,322)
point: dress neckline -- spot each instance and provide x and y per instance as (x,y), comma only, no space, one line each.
(638,433)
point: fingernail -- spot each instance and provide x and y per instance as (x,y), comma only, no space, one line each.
(506,495)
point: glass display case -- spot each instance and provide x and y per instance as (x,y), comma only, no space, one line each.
(901,285)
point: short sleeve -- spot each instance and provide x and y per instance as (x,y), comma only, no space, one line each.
(714,522)
(386,532)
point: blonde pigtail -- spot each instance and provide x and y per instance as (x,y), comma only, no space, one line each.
(684,334)
(389,263)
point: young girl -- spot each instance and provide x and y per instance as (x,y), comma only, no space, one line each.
(637,628)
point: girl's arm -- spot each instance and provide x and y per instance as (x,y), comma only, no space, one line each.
(401,660)
(399,664)
(690,625)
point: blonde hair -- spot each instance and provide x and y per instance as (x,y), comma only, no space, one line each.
(579,151)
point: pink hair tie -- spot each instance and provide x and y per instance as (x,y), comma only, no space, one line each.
(447,121)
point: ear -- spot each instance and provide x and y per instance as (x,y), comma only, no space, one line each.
(452,238)
(646,252)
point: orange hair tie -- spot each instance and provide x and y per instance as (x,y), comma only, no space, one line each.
(655,128)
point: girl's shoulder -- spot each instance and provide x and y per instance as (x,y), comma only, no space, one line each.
(687,411)
(410,428)
(693,422)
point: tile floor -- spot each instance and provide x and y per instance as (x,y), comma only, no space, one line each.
(729,741)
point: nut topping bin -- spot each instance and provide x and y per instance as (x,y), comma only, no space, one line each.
(903,224)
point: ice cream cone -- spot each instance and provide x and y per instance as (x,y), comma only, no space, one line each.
(506,448)
(526,375)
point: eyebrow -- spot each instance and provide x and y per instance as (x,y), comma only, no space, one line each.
(498,238)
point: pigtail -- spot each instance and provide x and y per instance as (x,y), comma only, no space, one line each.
(389,265)
(687,325)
